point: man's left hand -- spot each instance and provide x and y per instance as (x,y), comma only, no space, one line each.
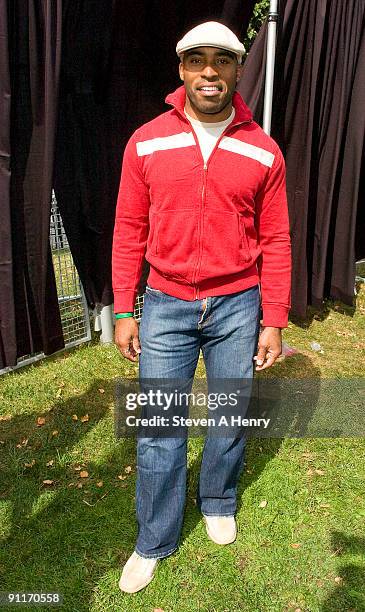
(269,347)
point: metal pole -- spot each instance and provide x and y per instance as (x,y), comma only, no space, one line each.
(270,64)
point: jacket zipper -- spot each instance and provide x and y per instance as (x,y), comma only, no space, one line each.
(205,170)
(205,176)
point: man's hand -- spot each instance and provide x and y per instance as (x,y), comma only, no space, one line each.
(269,347)
(126,338)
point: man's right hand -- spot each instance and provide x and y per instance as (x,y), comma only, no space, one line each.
(126,338)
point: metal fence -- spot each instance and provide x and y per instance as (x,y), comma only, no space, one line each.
(71,298)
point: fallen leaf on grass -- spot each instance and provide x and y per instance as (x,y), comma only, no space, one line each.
(296,545)
(22,442)
(338,579)
(40,421)
(345,333)
(79,485)
(324,505)
(122,477)
(101,390)
(84,474)
(59,393)
(158,610)
(85,418)
(6,417)
(100,483)
(55,433)
(75,417)
(320,472)
(128,469)
(263,503)
(50,463)
(29,465)
(48,482)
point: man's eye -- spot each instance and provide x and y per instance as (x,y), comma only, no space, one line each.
(195,60)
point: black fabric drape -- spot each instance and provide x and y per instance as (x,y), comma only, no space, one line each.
(7,314)
(319,121)
(30,319)
(107,89)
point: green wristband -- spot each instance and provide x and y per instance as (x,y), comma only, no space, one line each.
(123,315)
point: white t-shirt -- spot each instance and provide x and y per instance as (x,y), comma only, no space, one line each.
(208,133)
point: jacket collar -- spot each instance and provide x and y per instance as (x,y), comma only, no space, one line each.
(243,113)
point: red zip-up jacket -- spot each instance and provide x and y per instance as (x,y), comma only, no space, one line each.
(206,229)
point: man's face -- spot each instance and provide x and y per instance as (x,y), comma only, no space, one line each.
(210,76)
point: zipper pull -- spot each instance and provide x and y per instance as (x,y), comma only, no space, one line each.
(205,167)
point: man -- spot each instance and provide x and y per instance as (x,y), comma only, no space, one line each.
(202,197)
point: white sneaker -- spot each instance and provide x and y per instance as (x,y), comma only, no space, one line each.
(137,573)
(221,529)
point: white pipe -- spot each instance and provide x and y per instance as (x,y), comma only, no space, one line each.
(107,325)
(270,64)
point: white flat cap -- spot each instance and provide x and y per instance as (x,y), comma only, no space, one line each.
(211,34)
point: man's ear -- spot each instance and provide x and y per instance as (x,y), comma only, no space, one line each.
(181,71)
(239,72)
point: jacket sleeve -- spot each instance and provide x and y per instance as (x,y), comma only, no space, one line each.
(274,263)
(130,231)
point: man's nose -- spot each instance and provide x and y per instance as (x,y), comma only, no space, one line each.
(209,71)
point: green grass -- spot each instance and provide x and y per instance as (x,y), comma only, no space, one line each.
(59,537)
(67,282)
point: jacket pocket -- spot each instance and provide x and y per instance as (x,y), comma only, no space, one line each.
(245,254)
(221,243)
(174,243)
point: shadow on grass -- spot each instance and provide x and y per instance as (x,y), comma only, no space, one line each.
(349,594)
(321,313)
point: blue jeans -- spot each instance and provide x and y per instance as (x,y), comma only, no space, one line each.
(172,332)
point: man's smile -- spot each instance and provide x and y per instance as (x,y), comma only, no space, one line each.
(209,90)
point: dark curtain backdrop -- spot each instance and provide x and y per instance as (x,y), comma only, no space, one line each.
(7,314)
(29,73)
(77,77)
(108,89)
(319,122)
